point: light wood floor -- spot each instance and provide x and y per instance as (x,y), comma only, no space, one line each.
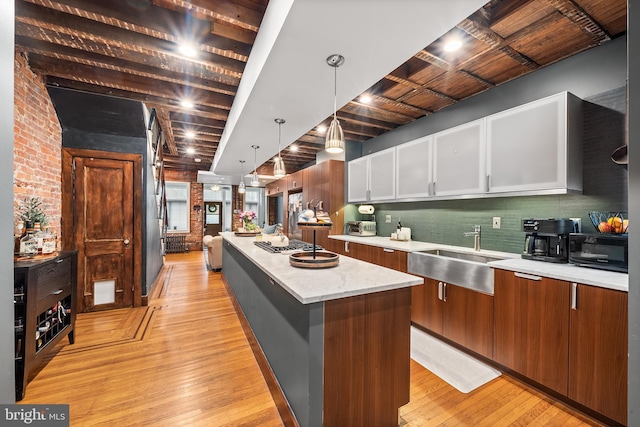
(184,361)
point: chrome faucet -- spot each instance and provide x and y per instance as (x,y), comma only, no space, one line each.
(476,237)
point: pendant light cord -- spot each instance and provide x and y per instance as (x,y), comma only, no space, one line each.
(335,92)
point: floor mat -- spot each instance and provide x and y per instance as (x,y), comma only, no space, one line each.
(455,367)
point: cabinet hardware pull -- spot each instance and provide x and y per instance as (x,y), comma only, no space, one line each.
(58,292)
(574,296)
(440,291)
(271,281)
(58,261)
(346,247)
(488,183)
(527,276)
(444,291)
(388,250)
(434,188)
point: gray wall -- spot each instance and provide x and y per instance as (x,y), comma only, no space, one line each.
(290,334)
(634,211)
(7,367)
(598,76)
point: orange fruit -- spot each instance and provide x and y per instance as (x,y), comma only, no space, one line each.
(615,223)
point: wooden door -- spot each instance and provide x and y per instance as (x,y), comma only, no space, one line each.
(212,218)
(531,333)
(598,351)
(103,232)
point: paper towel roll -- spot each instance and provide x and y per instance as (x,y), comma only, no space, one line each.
(366,209)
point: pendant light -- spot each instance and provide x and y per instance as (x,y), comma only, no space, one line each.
(334,143)
(278,164)
(241,187)
(255,180)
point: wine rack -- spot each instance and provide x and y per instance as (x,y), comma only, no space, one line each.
(44,310)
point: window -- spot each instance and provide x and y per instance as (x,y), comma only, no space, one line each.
(177,206)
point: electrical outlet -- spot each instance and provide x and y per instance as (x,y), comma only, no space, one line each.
(496,222)
(388,219)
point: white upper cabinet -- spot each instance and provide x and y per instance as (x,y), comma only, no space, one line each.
(382,175)
(358,180)
(532,149)
(459,160)
(372,178)
(536,147)
(413,169)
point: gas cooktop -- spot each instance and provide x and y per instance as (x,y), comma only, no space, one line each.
(294,245)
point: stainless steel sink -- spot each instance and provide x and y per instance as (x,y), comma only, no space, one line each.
(465,269)
(475,257)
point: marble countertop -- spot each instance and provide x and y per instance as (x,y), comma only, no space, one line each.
(512,262)
(349,278)
(567,272)
(415,246)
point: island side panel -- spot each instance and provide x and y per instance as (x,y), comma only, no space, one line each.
(367,358)
(289,333)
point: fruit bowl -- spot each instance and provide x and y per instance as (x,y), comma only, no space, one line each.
(610,222)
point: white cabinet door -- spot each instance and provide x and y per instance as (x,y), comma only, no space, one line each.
(413,169)
(358,180)
(382,175)
(459,160)
(528,147)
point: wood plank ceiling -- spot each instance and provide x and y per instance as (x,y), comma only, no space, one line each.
(129,49)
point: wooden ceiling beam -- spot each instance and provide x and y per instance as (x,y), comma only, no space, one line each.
(483,33)
(223,10)
(152,20)
(365,121)
(129,83)
(418,87)
(162,116)
(111,37)
(196,121)
(581,18)
(97,60)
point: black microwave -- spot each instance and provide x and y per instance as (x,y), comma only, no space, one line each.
(602,251)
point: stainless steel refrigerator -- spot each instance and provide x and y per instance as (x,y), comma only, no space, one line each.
(294,210)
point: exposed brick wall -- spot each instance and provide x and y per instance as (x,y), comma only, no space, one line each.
(194,238)
(37,144)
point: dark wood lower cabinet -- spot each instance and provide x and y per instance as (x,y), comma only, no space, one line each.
(366,358)
(531,332)
(566,336)
(462,315)
(598,351)
(468,319)
(426,307)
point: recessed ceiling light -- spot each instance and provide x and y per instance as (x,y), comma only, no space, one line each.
(321,128)
(185,103)
(366,99)
(189,134)
(190,150)
(293,147)
(188,50)
(197,160)
(453,45)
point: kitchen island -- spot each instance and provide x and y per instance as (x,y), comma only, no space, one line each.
(336,339)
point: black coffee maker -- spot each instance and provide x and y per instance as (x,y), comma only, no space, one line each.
(547,239)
